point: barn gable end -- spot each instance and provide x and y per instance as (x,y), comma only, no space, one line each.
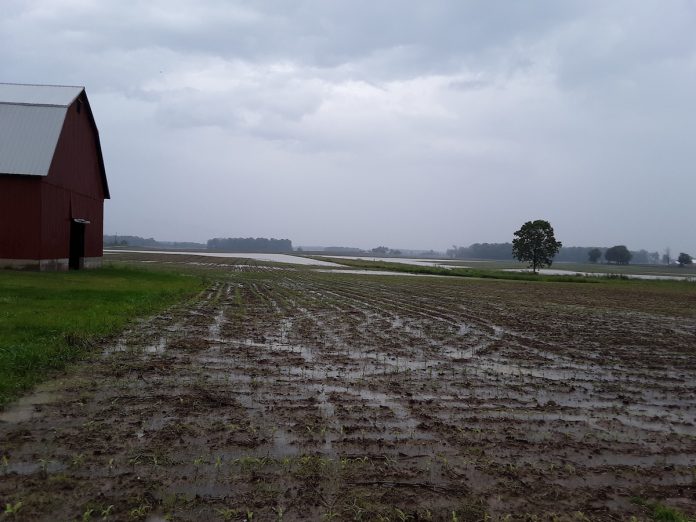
(52,179)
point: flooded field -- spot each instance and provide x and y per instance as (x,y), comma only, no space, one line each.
(646,277)
(409,261)
(295,395)
(273,258)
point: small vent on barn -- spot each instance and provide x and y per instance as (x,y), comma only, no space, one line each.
(78,106)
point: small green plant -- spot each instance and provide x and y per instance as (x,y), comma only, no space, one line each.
(329,515)
(78,460)
(227,513)
(13,509)
(199,460)
(139,512)
(279,511)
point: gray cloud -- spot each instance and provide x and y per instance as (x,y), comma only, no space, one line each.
(355,122)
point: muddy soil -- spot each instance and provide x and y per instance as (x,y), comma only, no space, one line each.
(296,395)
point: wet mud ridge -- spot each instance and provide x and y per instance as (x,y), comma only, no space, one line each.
(291,395)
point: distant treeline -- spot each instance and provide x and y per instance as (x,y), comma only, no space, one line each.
(137,241)
(249,244)
(503,252)
(498,251)
(346,251)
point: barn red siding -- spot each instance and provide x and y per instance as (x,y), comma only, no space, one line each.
(20,217)
(73,188)
(55,222)
(58,207)
(75,164)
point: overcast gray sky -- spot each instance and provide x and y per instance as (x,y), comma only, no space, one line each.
(416,124)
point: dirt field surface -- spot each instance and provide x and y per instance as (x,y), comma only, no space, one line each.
(296,395)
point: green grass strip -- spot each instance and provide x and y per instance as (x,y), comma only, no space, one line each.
(50,319)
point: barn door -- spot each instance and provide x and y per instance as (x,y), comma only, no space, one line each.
(77,243)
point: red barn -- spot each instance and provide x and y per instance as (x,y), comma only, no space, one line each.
(52,179)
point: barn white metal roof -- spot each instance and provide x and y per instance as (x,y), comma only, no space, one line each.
(31,118)
(28,138)
(59,95)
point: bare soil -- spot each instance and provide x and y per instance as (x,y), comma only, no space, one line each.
(295,395)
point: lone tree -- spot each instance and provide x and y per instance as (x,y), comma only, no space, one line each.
(684,259)
(535,243)
(594,255)
(618,254)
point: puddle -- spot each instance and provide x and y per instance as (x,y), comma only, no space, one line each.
(28,406)
(216,326)
(30,468)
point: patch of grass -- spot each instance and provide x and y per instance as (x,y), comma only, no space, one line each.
(669,514)
(661,513)
(51,319)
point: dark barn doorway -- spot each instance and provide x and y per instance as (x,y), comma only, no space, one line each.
(77,243)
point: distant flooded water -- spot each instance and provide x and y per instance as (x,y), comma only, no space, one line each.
(402,260)
(273,258)
(555,271)
(376,272)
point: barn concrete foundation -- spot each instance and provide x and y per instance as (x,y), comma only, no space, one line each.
(49,265)
(43,265)
(91,262)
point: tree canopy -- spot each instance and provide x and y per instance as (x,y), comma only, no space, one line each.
(594,255)
(684,259)
(618,254)
(385,251)
(535,243)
